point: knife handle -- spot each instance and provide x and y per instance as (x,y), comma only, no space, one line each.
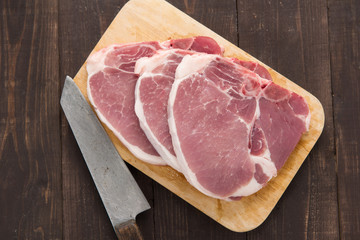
(128,231)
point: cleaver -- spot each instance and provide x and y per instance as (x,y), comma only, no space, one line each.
(119,192)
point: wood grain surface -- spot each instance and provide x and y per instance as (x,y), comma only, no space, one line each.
(148,20)
(344,38)
(313,43)
(30,165)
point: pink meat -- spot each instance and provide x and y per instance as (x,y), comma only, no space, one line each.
(197,44)
(255,67)
(111,85)
(157,74)
(152,90)
(231,129)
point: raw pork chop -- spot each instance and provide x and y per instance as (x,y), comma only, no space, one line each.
(231,129)
(111,85)
(157,74)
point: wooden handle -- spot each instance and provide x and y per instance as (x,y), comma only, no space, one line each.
(128,231)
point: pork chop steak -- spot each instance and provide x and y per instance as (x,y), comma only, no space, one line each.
(157,74)
(231,129)
(111,85)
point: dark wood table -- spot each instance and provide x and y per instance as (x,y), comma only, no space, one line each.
(46,191)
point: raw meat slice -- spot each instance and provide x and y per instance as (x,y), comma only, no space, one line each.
(157,74)
(111,85)
(231,129)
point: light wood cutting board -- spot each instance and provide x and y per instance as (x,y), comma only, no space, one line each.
(144,20)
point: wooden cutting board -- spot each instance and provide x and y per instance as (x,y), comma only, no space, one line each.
(144,20)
